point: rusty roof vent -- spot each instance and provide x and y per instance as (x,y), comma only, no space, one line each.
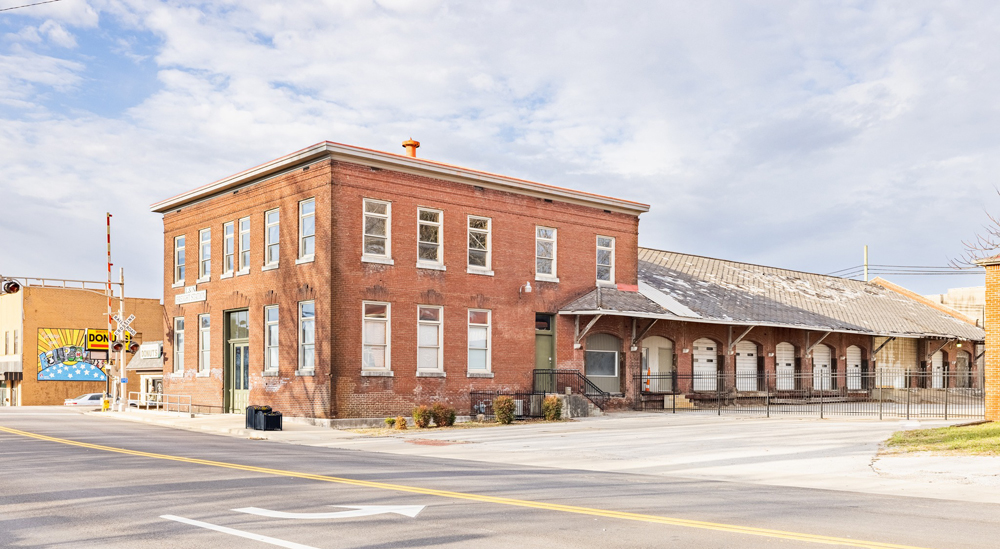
(411,147)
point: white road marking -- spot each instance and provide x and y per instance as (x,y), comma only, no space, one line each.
(359,511)
(240,533)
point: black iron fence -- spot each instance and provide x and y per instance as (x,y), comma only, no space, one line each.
(565,380)
(526,403)
(892,393)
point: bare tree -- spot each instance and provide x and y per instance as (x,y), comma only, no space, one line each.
(985,245)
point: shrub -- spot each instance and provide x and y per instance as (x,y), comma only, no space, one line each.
(390,421)
(552,408)
(422,416)
(444,416)
(503,409)
(400,423)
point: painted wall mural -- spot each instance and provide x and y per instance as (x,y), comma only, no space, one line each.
(62,356)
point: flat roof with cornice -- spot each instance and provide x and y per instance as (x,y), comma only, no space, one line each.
(400,163)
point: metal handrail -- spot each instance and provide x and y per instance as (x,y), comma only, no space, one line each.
(160,401)
(591,391)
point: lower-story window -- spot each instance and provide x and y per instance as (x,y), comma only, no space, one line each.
(376,337)
(179,344)
(271,338)
(479,340)
(204,343)
(307,336)
(429,339)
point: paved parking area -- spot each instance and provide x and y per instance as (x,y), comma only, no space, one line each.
(834,454)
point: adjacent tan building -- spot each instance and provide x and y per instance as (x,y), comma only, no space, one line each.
(44,355)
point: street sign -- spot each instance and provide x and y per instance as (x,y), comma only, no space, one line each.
(124,380)
(123,326)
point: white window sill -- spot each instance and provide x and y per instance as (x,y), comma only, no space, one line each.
(203,279)
(377,259)
(242,272)
(269,267)
(431,374)
(604,284)
(304,373)
(479,271)
(226,275)
(432,266)
(304,260)
(203,374)
(480,374)
(545,278)
(269,373)
(177,375)
(177,284)
(376,373)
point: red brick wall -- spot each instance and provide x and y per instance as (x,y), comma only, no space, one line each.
(339,281)
(284,286)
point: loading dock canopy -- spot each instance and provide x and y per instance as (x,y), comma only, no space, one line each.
(691,288)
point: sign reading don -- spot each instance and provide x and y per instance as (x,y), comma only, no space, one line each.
(97,340)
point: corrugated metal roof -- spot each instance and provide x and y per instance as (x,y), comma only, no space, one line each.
(720,291)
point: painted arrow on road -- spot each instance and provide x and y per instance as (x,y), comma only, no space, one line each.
(359,511)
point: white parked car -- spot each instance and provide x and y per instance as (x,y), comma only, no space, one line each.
(90,399)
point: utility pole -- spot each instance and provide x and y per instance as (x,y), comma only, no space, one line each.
(107,362)
(866,262)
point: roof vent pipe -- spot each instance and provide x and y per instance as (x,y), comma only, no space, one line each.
(411,147)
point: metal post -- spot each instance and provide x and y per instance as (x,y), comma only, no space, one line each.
(673,403)
(767,394)
(718,390)
(878,380)
(121,354)
(907,403)
(946,403)
(821,397)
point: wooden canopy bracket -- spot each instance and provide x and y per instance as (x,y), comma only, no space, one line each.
(813,346)
(578,337)
(733,344)
(636,338)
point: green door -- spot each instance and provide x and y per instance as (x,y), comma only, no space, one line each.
(545,357)
(236,386)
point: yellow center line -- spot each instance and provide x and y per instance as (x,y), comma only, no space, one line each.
(730,528)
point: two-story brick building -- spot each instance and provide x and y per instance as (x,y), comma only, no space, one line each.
(339,281)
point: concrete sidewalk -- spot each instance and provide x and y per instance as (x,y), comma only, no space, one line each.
(796,452)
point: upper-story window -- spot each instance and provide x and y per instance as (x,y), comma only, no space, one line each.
(244,244)
(228,248)
(605,259)
(545,252)
(307,228)
(378,226)
(429,237)
(179,259)
(480,259)
(271,234)
(205,254)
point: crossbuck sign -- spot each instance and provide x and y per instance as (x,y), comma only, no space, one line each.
(123,326)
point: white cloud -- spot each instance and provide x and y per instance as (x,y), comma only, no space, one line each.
(783,133)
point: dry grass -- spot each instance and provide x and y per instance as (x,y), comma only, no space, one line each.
(976,440)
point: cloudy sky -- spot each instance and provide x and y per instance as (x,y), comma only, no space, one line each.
(783,133)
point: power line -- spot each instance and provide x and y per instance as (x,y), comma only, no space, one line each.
(29,5)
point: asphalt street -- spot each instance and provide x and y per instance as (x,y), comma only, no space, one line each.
(89,482)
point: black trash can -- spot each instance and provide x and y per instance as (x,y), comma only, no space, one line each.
(271,421)
(253,414)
